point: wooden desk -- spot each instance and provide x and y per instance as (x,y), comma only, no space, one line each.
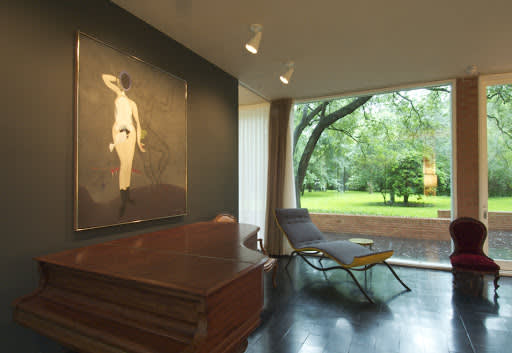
(195,288)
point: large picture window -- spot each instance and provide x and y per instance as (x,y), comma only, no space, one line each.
(496,175)
(379,155)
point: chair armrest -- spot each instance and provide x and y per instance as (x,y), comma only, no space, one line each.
(260,241)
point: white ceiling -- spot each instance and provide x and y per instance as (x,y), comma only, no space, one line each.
(339,46)
(248,97)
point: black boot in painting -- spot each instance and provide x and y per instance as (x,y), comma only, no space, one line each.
(124,200)
(128,198)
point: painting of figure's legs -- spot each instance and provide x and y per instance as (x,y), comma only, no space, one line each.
(125,151)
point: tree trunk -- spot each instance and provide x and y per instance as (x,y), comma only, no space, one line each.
(324,123)
(299,191)
(306,120)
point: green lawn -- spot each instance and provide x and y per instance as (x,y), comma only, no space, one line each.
(500,204)
(360,202)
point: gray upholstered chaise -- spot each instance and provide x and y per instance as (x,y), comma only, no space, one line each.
(305,237)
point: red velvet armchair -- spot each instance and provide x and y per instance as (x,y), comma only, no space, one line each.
(468,236)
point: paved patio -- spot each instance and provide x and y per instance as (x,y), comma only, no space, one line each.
(432,251)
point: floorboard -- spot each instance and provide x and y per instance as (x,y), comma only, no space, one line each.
(310,312)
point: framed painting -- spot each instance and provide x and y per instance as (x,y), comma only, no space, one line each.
(130,138)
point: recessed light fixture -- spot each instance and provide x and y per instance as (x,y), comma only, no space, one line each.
(472,70)
(253,44)
(290,67)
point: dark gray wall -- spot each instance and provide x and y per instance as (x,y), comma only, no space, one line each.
(37,41)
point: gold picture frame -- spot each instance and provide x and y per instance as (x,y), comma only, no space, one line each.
(130,138)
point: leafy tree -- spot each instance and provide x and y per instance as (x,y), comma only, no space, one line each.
(443,181)
(407,176)
(396,124)
(311,182)
(499,143)
(317,119)
(355,142)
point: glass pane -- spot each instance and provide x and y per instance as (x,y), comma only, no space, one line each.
(379,167)
(499,163)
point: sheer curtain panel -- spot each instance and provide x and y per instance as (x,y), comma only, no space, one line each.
(253,164)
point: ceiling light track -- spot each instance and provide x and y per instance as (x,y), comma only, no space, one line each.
(286,77)
(253,45)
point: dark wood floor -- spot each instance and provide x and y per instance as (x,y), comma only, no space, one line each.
(431,250)
(309,313)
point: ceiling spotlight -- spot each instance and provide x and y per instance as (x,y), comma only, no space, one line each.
(290,67)
(253,45)
(472,70)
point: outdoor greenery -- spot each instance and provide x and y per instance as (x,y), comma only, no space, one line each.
(362,202)
(374,143)
(499,126)
(385,145)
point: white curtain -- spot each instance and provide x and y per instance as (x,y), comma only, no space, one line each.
(253,164)
(289,199)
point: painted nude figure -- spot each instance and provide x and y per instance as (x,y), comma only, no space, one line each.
(124,133)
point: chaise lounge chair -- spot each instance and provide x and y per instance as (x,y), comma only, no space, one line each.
(306,239)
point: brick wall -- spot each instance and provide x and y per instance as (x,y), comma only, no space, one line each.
(400,227)
(466,127)
(497,220)
(500,220)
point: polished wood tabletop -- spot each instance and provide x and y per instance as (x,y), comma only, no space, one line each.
(198,258)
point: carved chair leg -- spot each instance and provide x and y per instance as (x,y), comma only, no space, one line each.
(240,347)
(496,278)
(274,263)
(274,273)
